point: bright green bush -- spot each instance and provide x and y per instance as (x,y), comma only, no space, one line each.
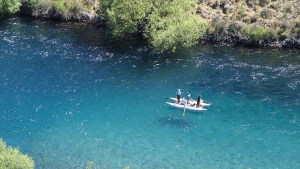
(8,7)
(256,33)
(283,35)
(60,6)
(125,17)
(11,158)
(166,24)
(172,24)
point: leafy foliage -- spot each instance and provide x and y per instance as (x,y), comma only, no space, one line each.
(9,7)
(11,158)
(127,16)
(172,24)
(166,24)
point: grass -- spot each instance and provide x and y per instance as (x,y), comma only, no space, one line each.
(256,33)
(65,8)
(261,19)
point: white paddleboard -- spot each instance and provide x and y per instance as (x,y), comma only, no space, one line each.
(181,106)
(192,101)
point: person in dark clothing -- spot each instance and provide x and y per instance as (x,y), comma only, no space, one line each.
(198,101)
(178,96)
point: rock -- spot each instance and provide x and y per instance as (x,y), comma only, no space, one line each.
(291,43)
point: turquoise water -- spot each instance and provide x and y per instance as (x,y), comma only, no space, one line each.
(70,94)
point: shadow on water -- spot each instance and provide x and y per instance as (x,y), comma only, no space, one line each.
(173,122)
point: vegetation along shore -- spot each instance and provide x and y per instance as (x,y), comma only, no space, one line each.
(170,24)
(12,158)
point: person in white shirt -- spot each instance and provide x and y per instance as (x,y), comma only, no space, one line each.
(188,97)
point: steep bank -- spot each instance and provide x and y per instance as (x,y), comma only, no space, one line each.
(252,22)
(274,23)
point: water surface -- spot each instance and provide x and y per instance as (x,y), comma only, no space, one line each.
(71,94)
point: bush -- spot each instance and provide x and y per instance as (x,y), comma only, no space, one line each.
(60,6)
(256,33)
(275,5)
(127,16)
(64,8)
(166,24)
(285,25)
(219,25)
(8,7)
(288,8)
(284,35)
(266,13)
(246,20)
(172,24)
(11,158)
(296,27)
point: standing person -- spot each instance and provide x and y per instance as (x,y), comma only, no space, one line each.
(188,97)
(198,101)
(178,96)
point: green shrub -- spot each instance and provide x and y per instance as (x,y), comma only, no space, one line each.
(172,24)
(284,35)
(166,24)
(280,31)
(60,6)
(65,8)
(31,3)
(127,16)
(256,33)
(219,25)
(11,158)
(8,7)
(296,26)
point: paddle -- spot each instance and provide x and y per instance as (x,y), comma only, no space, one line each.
(184,109)
(204,101)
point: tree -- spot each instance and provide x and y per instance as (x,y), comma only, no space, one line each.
(9,7)
(126,17)
(172,24)
(11,158)
(166,24)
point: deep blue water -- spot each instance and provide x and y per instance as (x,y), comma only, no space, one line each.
(70,94)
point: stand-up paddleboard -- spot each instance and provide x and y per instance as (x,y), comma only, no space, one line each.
(187,107)
(192,101)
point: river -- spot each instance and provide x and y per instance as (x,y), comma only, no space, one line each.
(70,95)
